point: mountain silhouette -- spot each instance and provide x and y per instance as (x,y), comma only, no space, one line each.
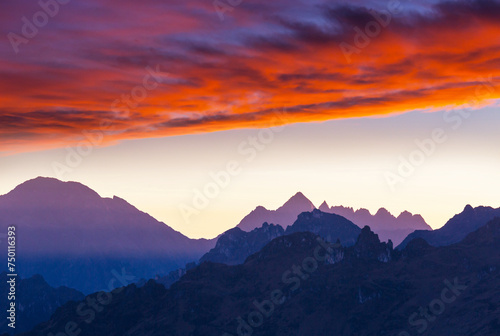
(36,301)
(382,222)
(457,228)
(330,227)
(235,245)
(367,288)
(284,215)
(75,238)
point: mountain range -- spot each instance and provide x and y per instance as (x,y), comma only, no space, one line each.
(235,245)
(75,238)
(469,220)
(299,284)
(36,301)
(283,216)
(106,246)
(382,222)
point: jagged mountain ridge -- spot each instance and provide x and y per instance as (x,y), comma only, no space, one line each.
(284,215)
(235,245)
(386,225)
(369,288)
(382,222)
(457,228)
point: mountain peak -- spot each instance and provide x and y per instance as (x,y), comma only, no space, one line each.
(326,225)
(48,186)
(41,180)
(324,207)
(368,246)
(37,183)
(363,212)
(298,202)
(383,211)
(299,195)
(67,220)
(283,216)
(468,208)
(367,235)
(405,214)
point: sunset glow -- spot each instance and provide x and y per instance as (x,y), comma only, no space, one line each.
(191,72)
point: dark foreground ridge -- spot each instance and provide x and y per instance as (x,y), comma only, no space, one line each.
(36,301)
(235,245)
(300,285)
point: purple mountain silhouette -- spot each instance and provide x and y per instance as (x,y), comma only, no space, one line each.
(457,227)
(62,226)
(383,223)
(284,215)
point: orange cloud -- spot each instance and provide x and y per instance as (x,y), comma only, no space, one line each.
(245,76)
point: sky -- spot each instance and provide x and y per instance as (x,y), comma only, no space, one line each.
(362,103)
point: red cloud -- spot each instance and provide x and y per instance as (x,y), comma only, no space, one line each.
(238,73)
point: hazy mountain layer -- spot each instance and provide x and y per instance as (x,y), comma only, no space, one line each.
(382,222)
(35,301)
(299,285)
(73,237)
(457,227)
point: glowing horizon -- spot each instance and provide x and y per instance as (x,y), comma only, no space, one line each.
(344,162)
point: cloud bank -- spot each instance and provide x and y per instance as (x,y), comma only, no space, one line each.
(235,66)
